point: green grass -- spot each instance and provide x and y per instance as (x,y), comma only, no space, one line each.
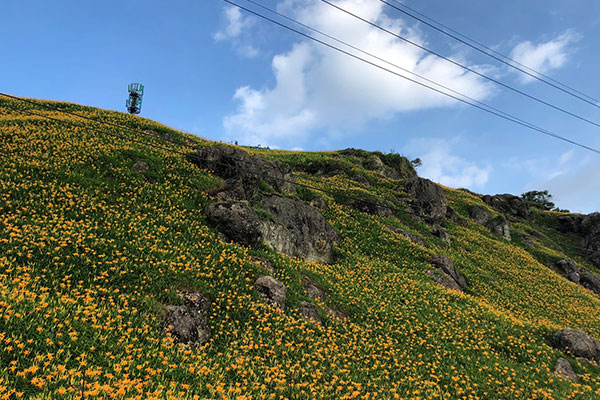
(91,253)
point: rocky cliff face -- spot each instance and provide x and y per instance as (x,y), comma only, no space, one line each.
(290,225)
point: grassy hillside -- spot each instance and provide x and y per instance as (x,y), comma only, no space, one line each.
(91,252)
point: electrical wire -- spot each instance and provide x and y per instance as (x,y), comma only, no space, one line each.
(491,53)
(466,68)
(506,117)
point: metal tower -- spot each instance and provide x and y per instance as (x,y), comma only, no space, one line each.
(134,102)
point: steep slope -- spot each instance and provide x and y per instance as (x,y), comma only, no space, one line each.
(94,252)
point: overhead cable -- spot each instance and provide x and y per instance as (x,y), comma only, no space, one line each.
(502,115)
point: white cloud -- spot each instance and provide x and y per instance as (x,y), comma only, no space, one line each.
(547,56)
(237,23)
(318,89)
(440,165)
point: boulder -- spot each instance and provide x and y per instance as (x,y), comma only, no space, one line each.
(312,290)
(297,229)
(564,370)
(236,221)
(187,324)
(140,167)
(499,227)
(509,204)
(243,173)
(528,241)
(590,228)
(570,223)
(568,269)
(428,199)
(271,290)
(446,274)
(480,214)
(590,281)
(576,342)
(439,232)
(413,238)
(371,206)
(309,311)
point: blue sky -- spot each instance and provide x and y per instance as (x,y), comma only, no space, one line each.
(219,73)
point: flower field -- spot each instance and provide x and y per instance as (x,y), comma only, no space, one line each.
(91,252)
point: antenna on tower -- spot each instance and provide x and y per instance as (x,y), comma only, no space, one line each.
(134,102)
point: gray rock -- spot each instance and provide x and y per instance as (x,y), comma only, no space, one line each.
(566,266)
(312,290)
(236,221)
(439,232)
(445,266)
(590,228)
(428,199)
(578,343)
(140,167)
(309,311)
(271,290)
(243,173)
(590,281)
(371,206)
(480,214)
(499,227)
(413,238)
(509,204)
(187,324)
(298,229)
(444,280)
(570,223)
(564,370)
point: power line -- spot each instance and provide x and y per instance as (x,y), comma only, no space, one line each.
(385,61)
(499,114)
(537,99)
(493,54)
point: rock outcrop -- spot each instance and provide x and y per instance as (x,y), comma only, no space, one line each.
(312,290)
(428,199)
(568,269)
(371,206)
(187,324)
(244,173)
(441,233)
(271,290)
(590,281)
(590,227)
(509,204)
(570,223)
(499,227)
(140,167)
(309,311)
(480,214)
(291,226)
(298,229)
(578,343)
(564,370)
(446,274)
(236,221)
